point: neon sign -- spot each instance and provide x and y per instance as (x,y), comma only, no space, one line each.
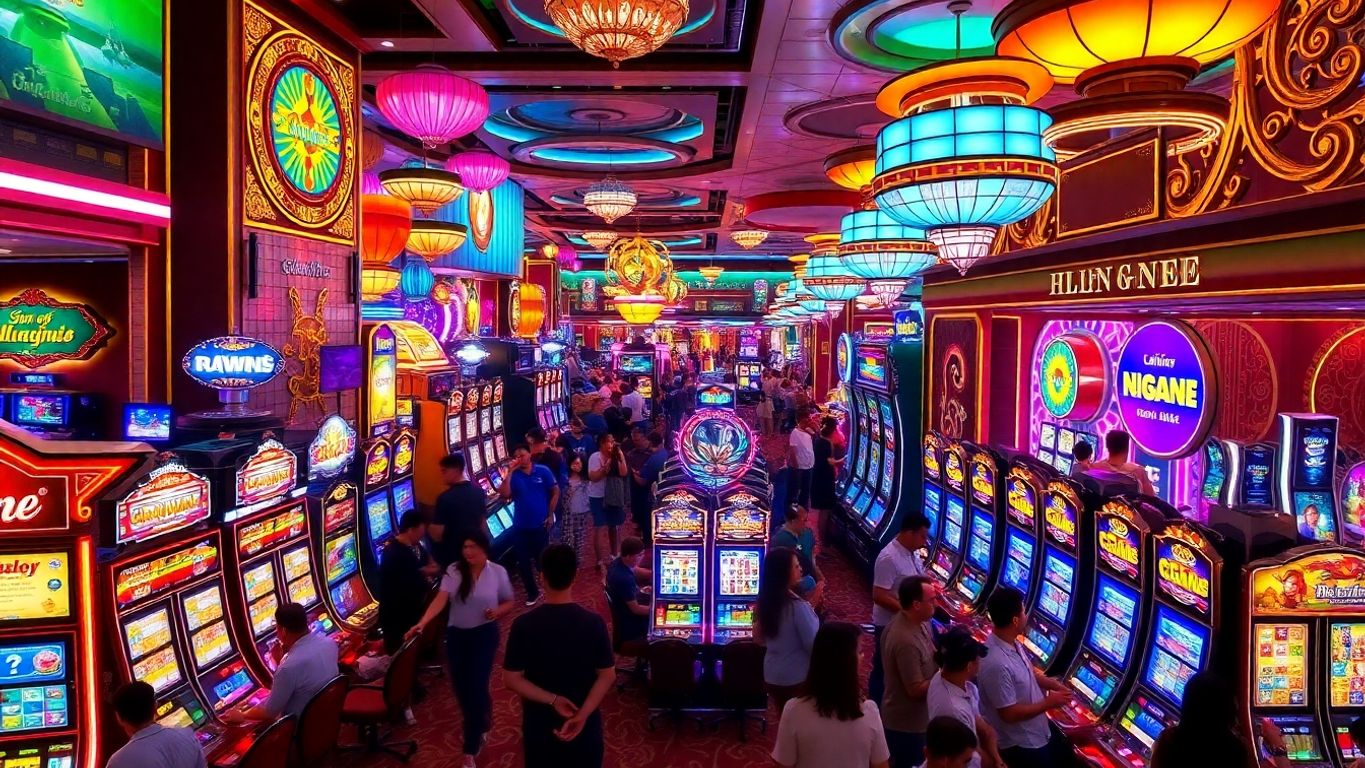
(170,498)
(332,447)
(716,447)
(157,575)
(232,362)
(271,471)
(1183,571)
(36,330)
(404,450)
(1164,389)
(1118,539)
(1059,517)
(377,463)
(1073,372)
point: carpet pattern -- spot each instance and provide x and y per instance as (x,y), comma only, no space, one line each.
(630,744)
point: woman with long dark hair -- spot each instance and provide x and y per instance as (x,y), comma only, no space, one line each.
(1208,732)
(479,593)
(786,624)
(831,725)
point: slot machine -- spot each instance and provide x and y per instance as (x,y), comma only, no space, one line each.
(1307,474)
(53,713)
(404,444)
(1023,537)
(334,506)
(948,552)
(932,507)
(378,508)
(1103,668)
(679,545)
(1184,631)
(738,541)
(1219,458)
(43,408)
(1065,578)
(716,396)
(965,594)
(639,366)
(1306,672)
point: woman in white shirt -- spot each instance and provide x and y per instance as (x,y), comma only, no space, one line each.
(832,726)
(479,593)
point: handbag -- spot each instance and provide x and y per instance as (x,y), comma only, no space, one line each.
(617,494)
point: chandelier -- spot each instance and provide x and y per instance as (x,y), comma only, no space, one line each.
(874,246)
(479,169)
(432,239)
(610,199)
(617,30)
(600,239)
(641,309)
(826,276)
(711,274)
(888,292)
(427,189)
(748,239)
(432,104)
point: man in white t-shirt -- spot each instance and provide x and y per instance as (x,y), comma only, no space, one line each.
(896,562)
(953,694)
(949,744)
(633,401)
(801,459)
(1118,446)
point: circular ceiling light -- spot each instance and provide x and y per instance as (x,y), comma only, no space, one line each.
(610,199)
(617,30)
(853,169)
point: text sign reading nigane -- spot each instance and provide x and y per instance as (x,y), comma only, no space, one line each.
(1164,388)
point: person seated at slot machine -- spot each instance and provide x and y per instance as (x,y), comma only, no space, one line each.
(150,745)
(1357,731)
(307,663)
(1118,447)
(948,744)
(1083,456)
(459,510)
(629,600)
(1012,691)
(1208,732)
(796,535)
(404,581)
(785,623)
(897,561)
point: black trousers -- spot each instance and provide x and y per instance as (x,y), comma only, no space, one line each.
(470,654)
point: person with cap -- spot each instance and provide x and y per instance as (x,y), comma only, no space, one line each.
(953,694)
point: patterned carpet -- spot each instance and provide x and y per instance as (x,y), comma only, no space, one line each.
(629,743)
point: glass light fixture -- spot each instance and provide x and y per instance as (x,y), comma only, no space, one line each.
(600,239)
(641,309)
(887,291)
(748,239)
(610,199)
(617,30)
(426,189)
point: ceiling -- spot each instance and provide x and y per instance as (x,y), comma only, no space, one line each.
(749,100)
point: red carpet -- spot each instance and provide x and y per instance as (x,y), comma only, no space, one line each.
(629,743)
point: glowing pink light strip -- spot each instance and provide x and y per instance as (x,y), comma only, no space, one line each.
(33,184)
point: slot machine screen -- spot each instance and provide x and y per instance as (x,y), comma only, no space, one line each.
(500,447)
(1346,672)
(1059,578)
(454,435)
(297,563)
(1321,502)
(1145,719)
(1047,436)
(1063,464)
(497,417)
(340,554)
(933,501)
(1215,471)
(147,421)
(680,573)
(226,685)
(40,410)
(1258,477)
(262,615)
(979,545)
(35,693)
(1066,442)
(1018,560)
(488,457)
(876,511)
(637,363)
(40,589)
(151,650)
(681,615)
(346,596)
(259,580)
(204,619)
(161,669)
(739,569)
(1111,628)
(1345,744)
(495,526)
(402,498)
(471,424)
(203,607)
(485,421)
(210,644)
(735,616)
(377,516)
(1179,652)
(1281,665)
(302,591)
(474,458)
(954,517)
(1299,739)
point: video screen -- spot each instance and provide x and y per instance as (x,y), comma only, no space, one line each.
(739,569)
(734,616)
(1345,744)
(1066,442)
(471,424)
(262,615)
(38,586)
(933,501)
(1111,630)
(210,644)
(403,500)
(495,526)
(259,580)
(1346,673)
(202,607)
(1179,653)
(147,633)
(1059,579)
(1047,436)
(340,554)
(1281,664)
(39,410)
(42,662)
(485,421)
(680,572)
(636,363)
(147,421)
(1300,738)
(377,516)
(303,592)
(297,563)
(160,669)
(954,517)
(677,615)
(347,596)
(979,545)
(1094,682)
(875,513)
(1314,516)
(1018,560)
(1215,471)
(1258,477)
(34,708)
(340,367)
(1145,719)
(474,458)
(227,685)
(1317,446)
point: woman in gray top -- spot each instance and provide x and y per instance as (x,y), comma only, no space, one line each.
(786,623)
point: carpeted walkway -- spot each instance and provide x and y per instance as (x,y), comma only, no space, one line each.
(629,743)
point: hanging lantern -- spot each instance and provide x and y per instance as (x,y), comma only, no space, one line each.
(432,104)
(967,155)
(617,30)
(385,224)
(828,279)
(549,251)
(431,239)
(854,169)
(371,149)
(526,309)
(711,274)
(748,239)
(874,246)
(888,292)
(610,199)
(427,189)
(566,255)
(641,309)
(480,170)
(375,281)
(600,239)
(416,280)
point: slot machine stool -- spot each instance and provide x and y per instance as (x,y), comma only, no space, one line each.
(673,684)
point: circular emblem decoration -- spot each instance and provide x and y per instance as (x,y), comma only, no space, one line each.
(716,448)
(843,357)
(481,218)
(1165,389)
(300,131)
(1073,376)
(1059,375)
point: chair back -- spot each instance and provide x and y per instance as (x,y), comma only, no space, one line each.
(320,723)
(431,633)
(611,611)
(741,680)
(398,681)
(672,673)
(271,747)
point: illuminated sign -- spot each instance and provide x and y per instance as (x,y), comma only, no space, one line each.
(271,471)
(171,498)
(149,578)
(879,331)
(232,362)
(1183,571)
(1060,515)
(1118,539)
(716,447)
(377,463)
(1321,582)
(1145,277)
(39,492)
(31,502)
(383,387)
(332,448)
(679,522)
(271,531)
(909,326)
(738,524)
(740,499)
(680,497)
(843,357)
(36,330)
(983,480)
(716,396)
(871,362)
(1165,389)
(35,585)
(1073,373)
(338,508)
(404,450)
(1021,497)
(932,468)
(953,471)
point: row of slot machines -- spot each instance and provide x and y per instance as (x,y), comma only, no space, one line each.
(708,549)
(551,394)
(475,427)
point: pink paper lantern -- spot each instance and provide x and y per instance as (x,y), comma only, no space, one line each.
(479,169)
(567,255)
(369,184)
(576,266)
(432,104)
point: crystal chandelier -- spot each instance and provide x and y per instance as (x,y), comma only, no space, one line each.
(711,274)
(617,30)
(610,199)
(749,239)
(887,291)
(600,239)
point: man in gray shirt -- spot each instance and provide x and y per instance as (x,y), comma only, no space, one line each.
(908,659)
(308,662)
(150,745)
(1012,698)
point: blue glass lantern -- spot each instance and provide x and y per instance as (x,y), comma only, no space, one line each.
(827,278)
(967,155)
(875,246)
(417,279)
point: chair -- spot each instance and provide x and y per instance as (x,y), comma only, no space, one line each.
(742,690)
(271,747)
(320,724)
(672,680)
(630,649)
(429,642)
(371,707)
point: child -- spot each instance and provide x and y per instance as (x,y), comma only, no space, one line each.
(574,529)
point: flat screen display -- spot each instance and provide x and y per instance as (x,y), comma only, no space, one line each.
(1059,580)
(1300,737)
(147,421)
(259,580)
(954,518)
(377,516)
(1346,672)
(403,500)
(454,435)
(1313,516)
(340,367)
(40,410)
(1066,442)
(1111,629)
(202,607)
(933,500)
(210,644)
(641,363)
(1280,664)
(1179,651)
(297,563)
(1258,477)
(347,596)
(739,569)
(227,685)
(32,708)
(1215,471)
(734,616)
(262,615)
(979,545)
(1018,560)
(160,669)
(1316,446)
(1095,682)
(1145,719)
(39,662)
(474,457)
(680,572)
(681,615)
(1047,436)
(340,553)
(147,633)
(871,366)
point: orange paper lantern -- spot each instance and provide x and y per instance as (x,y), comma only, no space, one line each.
(526,310)
(385,223)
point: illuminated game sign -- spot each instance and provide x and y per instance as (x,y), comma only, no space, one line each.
(377,463)
(843,357)
(1060,517)
(171,498)
(300,106)
(953,470)
(680,497)
(1328,582)
(149,578)
(1353,504)
(739,524)
(271,471)
(716,396)
(741,499)
(932,468)
(908,324)
(679,523)
(1118,538)
(32,663)
(35,585)
(1073,371)
(383,387)
(404,451)
(1183,571)
(31,503)
(872,365)
(232,362)
(1165,389)
(332,448)
(271,531)
(716,447)
(338,508)
(983,480)
(37,330)
(1021,498)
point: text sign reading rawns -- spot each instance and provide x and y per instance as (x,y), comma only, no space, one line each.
(1165,389)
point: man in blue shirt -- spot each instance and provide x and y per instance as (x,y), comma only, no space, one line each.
(629,602)
(150,745)
(307,663)
(534,491)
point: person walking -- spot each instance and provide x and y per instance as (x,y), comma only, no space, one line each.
(403,581)
(785,623)
(800,459)
(607,497)
(535,491)
(459,509)
(478,593)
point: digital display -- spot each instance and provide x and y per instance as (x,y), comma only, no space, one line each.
(1314,517)
(202,607)
(871,365)
(979,546)
(1280,665)
(210,644)
(1111,630)
(340,554)
(40,410)
(636,363)
(454,435)
(147,633)
(680,572)
(1145,719)
(1215,471)
(739,569)
(1040,640)
(1018,560)
(875,513)
(954,517)
(485,422)
(1346,673)
(1066,442)
(35,586)
(734,616)
(1347,745)
(297,562)
(1059,579)
(33,663)
(147,421)
(1095,682)
(227,685)
(34,708)
(1047,436)
(1258,476)
(160,669)
(1300,739)
(495,526)
(402,498)
(349,596)
(1178,653)
(259,580)
(377,516)
(263,615)
(1317,446)
(933,500)
(303,592)
(472,456)
(677,615)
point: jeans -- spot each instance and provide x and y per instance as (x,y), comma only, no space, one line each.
(907,749)
(876,682)
(470,654)
(528,543)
